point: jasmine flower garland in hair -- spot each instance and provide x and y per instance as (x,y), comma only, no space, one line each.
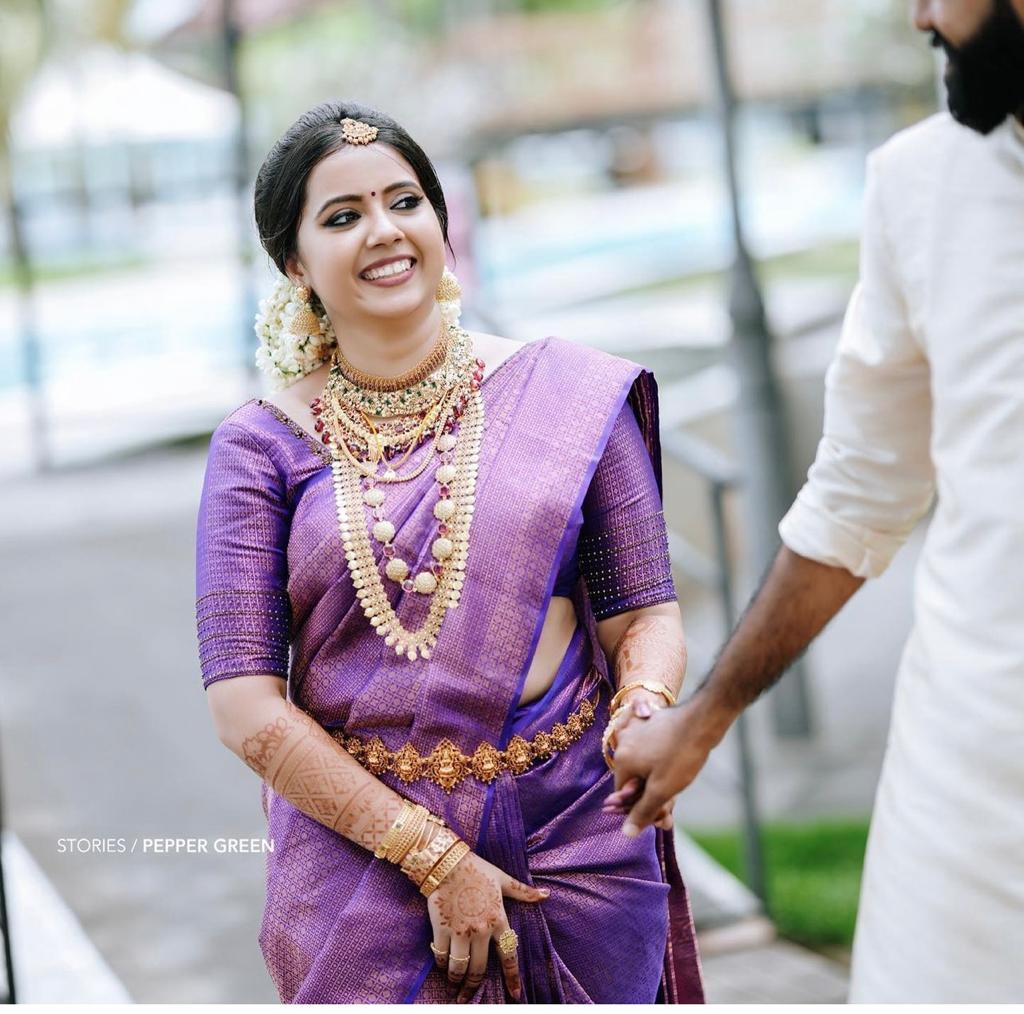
(284,356)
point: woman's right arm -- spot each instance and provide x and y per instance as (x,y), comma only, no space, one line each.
(243,619)
(300,761)
(244,627)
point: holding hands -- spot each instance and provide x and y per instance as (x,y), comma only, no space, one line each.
(657,759)
(627,721)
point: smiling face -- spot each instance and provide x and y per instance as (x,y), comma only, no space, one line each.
(364,205)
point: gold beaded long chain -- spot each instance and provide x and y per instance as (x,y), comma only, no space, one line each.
(451,393)
(363,565)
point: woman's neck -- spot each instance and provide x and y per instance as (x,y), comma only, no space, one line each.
(386,348)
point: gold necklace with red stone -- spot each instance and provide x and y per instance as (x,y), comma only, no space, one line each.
(358,451)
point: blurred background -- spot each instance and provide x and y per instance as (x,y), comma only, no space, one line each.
(675,181)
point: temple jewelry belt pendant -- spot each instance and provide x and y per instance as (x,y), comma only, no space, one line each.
(446,765)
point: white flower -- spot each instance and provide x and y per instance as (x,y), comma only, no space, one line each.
(281,355)
(285,357)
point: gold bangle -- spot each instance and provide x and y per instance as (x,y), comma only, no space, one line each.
(418,865)
(451,859)
(654,686)
(609,759)
(408,837)
(620,710)
(419,842)
(606,752)
(407,810)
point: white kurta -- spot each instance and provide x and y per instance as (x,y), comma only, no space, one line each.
(925,398)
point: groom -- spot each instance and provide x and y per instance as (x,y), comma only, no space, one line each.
(924,402)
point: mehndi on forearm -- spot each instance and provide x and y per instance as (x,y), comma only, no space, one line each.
(653,647)
(299,760)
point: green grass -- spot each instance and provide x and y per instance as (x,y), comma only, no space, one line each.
(813,873)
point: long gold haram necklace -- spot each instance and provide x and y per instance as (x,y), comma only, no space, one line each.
(454,510)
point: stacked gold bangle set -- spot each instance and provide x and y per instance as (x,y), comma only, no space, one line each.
(425,861)
(616,709)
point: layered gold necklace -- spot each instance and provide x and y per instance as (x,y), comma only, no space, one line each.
(441,403)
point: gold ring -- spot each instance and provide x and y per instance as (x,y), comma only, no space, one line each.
(454,961)
(508,941)
(439,954)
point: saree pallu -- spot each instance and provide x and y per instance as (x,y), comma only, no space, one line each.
(340,926)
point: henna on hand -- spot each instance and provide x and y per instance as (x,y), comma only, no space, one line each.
(468,901)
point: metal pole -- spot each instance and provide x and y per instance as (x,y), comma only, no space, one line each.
(760,429)
(231,37)
(39,426)
(753,852)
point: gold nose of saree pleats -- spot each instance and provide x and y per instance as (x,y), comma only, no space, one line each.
(446,765)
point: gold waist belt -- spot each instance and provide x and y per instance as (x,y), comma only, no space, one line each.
(446,765)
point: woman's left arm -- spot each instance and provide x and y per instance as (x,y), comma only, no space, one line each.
(646,644)
(624,559)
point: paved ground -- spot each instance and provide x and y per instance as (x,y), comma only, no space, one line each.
(777,972)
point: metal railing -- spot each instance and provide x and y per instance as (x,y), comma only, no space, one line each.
(721,476)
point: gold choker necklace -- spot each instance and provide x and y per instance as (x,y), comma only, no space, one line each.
(370,382)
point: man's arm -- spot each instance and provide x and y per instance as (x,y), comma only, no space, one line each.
(871,482)
(665,753)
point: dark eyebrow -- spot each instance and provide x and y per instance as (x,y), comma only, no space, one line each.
(345,198)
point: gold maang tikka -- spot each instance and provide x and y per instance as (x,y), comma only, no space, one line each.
(357,132)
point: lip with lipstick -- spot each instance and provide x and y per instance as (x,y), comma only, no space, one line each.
(390,271)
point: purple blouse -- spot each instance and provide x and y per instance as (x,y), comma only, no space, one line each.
(254,483)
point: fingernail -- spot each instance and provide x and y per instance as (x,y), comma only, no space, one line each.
(630,830)
(545,891)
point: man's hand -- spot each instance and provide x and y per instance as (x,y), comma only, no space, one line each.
(640,705)
(658,758)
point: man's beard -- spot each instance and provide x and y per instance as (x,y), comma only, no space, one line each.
(985,76)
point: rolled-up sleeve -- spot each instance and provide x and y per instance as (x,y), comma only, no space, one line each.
(872,478)
(242,606)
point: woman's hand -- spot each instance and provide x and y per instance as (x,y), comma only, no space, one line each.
(639,706)
(619,802)
(467,912)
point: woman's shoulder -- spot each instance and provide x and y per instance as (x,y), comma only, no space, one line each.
(248,418)
(261,423)
(497,349)
(582,359)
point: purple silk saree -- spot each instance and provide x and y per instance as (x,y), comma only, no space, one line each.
(340,926)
